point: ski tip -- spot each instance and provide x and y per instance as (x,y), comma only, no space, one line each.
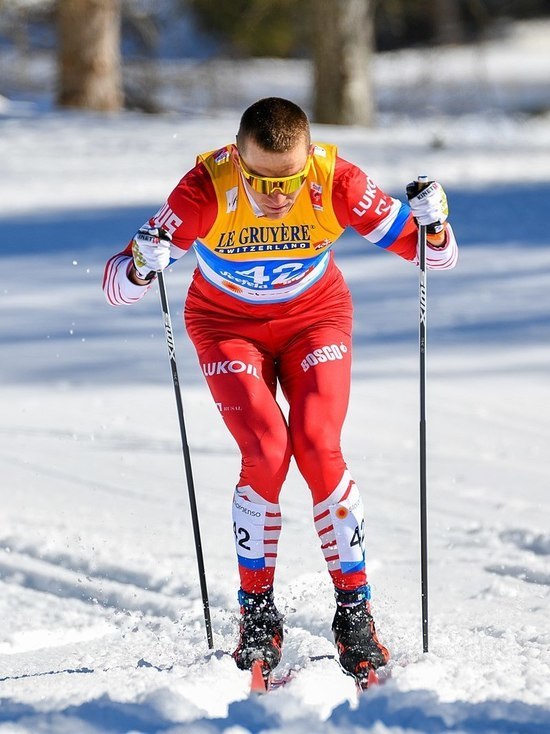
(367,677)
(260,677)
(372,678)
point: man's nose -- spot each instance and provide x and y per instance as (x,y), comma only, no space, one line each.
(277,195)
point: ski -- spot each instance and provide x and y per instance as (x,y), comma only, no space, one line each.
(263,681)
(281,680)
(366,678)
(260,677)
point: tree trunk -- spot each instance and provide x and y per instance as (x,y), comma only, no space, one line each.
(343,40)
(89,54)
(448,23)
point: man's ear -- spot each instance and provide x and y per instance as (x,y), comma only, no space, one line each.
(235,154)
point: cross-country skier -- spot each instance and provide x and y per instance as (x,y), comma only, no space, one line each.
(268,306)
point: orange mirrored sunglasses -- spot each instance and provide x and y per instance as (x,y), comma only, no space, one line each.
(266,184)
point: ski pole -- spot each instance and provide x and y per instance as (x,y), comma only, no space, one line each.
(423,303)
(186,456)
(412,190)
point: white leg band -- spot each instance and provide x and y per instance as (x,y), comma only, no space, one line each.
(340,525)
(256,527)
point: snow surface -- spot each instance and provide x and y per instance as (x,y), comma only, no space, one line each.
(101,619)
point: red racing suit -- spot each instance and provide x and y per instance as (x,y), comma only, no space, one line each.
(268,307)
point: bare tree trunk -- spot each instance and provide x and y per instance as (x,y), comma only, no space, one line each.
(89,54)
(448,23)
(343,40)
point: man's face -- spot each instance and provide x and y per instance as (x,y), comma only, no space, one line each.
(259,162)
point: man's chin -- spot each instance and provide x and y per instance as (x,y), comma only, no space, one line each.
(276,214)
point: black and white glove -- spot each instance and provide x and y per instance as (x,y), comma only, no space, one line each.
(151,251)
(428,203)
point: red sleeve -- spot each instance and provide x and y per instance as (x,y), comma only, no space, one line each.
(189,213)
(191,208)
(381,219)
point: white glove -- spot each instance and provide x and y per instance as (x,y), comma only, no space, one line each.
(429,206)
(151,251)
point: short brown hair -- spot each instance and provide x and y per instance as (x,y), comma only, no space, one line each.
(274,124)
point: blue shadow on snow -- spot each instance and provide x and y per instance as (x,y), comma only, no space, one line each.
(417,711)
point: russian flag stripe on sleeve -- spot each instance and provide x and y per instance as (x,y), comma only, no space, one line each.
(394,229)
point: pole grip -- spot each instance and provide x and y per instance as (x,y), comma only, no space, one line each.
(413,189)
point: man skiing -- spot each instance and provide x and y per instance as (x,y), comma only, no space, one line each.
(268,307)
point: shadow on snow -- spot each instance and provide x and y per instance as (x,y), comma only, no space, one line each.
(417,711)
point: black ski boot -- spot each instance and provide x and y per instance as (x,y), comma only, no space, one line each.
(260,631)
(353,627)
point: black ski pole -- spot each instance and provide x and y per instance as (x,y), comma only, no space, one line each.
(412,190)
(186,456)
(423,303)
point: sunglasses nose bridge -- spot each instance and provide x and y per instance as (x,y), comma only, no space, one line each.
(276,191)
(267,185)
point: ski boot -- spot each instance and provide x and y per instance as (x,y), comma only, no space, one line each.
(359,650)
(260,631)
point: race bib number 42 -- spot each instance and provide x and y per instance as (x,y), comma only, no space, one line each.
(269,276)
